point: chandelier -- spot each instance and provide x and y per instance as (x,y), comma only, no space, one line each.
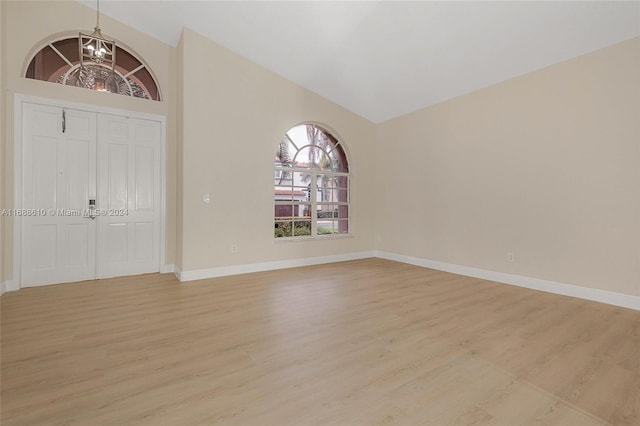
(98,57)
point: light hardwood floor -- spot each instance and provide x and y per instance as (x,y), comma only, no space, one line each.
(368,342)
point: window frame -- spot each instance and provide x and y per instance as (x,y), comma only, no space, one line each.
(130,78)
(339,184)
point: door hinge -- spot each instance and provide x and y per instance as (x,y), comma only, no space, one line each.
(64,121)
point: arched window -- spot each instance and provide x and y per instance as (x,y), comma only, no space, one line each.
(311,188)
(59,62)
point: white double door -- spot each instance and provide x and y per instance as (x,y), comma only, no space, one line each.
(69,158)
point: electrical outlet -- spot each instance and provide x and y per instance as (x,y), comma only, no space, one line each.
(511,257)
(234,248)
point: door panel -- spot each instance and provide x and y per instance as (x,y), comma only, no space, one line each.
(45,167)
(144,241)
(117,248)
(78,239)
(44,240)
(130,193)
(144,178)
(78,177)
(117,175)
(58,245)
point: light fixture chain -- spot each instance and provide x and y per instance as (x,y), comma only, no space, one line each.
(97,55)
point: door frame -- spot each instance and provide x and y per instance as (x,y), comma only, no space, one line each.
(18,162)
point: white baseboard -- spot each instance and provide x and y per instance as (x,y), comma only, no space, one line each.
(268,266)
(603,296)
(8,285)
(167,269)
(597,295)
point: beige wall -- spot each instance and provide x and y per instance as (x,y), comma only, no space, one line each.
(235,113)
(2,144)
(546,166)
(29,23)
(179,152)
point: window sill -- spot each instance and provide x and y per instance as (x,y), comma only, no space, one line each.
(309,238)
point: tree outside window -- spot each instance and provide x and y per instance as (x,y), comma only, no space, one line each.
(311,187)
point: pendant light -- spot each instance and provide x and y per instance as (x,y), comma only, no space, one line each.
(97,54)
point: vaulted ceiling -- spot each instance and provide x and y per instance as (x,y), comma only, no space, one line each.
(384,59)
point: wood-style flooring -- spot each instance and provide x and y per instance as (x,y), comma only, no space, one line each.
(368,342)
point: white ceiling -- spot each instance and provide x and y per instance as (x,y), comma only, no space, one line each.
(384,59)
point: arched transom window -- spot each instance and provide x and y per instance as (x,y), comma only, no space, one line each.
(59,62)
(311,188)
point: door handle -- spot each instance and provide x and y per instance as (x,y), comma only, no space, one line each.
(92,209)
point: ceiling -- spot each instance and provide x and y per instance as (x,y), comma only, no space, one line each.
(384,59)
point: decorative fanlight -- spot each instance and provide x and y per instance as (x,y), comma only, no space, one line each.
(97,55)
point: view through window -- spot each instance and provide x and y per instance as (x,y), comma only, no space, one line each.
(59,62)
(311,184)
